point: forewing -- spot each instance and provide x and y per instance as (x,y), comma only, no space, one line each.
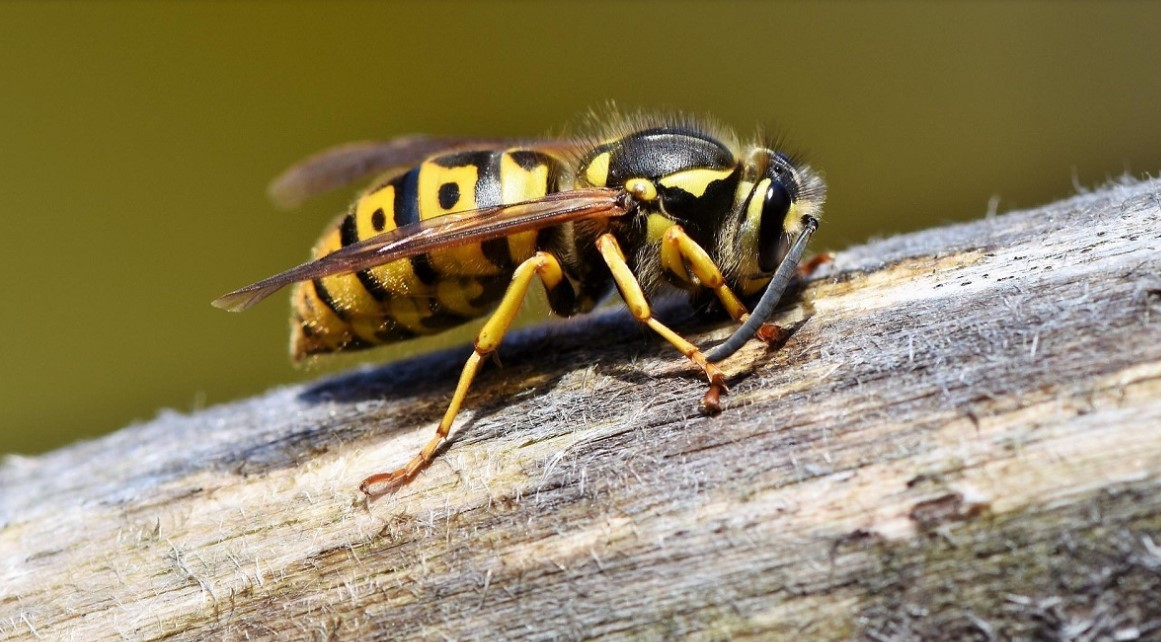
(342,165)
(460,228)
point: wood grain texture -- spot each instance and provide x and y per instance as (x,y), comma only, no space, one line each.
(959,441)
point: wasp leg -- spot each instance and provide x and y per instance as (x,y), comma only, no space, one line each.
(679,250)
(775,335)
(548,268)
(811,265)
(635,298)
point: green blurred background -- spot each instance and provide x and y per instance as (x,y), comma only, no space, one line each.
(136,141)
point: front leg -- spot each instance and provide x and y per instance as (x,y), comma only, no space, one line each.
(678,251)
(634,297)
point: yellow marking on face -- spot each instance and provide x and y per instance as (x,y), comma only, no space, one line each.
(597,173)
(656,225)
(695,181)
(792,224)
(750,286)
(642,189)
(754,210)
(748,236)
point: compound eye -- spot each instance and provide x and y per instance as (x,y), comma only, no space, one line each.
(774,209)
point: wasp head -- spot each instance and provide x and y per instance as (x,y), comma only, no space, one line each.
(776,195)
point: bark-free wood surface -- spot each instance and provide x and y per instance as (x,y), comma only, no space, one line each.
(961,440)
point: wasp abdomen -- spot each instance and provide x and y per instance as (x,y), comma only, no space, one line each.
(429,292)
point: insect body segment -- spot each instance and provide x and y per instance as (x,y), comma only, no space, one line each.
(429,292)
(658,204)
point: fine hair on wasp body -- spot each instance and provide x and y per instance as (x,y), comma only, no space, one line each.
(455,229)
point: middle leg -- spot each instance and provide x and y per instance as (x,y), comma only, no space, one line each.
(678,251)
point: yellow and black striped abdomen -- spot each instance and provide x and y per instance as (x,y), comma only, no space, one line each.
(431,292)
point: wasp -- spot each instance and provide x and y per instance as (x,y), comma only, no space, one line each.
(455,228)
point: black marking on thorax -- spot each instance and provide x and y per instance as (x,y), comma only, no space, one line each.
(654,153)
(702,216)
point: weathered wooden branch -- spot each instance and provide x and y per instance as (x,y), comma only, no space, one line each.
(961,440)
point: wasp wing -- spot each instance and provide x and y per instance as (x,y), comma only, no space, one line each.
(451,230)
(342,165)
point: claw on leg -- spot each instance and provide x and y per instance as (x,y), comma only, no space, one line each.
(809,266)
(772,334)
(634,297)
(711,403)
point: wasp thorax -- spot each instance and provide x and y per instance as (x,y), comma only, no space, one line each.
(691,175)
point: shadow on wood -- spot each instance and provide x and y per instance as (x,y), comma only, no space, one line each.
(959,442)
